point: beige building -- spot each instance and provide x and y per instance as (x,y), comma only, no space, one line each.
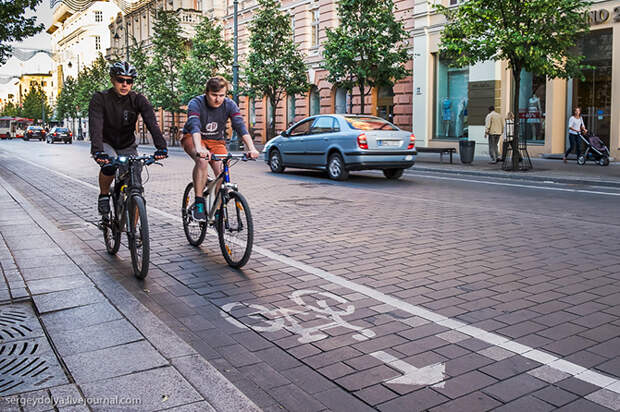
(28,81)
(449,103)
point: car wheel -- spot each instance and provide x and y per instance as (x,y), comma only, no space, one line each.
(70,141)
(275,161)
(335,168)
(393,174)
(26,139)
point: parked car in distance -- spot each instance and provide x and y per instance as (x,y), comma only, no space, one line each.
(340,143)
(59,134)
(34,132)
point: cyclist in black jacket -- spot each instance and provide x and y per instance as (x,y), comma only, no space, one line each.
(112,116)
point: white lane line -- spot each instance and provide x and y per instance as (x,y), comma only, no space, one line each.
(579,372)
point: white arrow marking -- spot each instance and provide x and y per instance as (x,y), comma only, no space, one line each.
(428,375)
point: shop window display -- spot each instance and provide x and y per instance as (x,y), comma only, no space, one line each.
(451,91)
(532,91)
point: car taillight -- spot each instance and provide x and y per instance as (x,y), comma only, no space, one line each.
(55,134)
(362,142)
(70,134)
(411,142)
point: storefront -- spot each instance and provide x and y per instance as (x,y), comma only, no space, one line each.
(449,103)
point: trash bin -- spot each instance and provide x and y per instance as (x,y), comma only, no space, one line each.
(466,150)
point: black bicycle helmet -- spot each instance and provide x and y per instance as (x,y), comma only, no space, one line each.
(123,69)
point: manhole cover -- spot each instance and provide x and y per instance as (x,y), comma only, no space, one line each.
(27,361)
(316,201)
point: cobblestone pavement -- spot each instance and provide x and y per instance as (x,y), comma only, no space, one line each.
(420,294)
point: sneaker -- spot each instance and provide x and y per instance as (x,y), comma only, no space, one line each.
(103,204)
(198,212)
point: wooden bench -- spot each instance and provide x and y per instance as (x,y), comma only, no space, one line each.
(440,150)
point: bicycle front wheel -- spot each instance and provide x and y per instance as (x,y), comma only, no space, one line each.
(194,231)
(139,245)
(235,230)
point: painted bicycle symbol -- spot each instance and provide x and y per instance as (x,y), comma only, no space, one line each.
(262,319)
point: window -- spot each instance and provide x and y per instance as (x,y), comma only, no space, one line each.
(315,101)
(43,84)
(293,26)
(98,16)
(532,91)
(302,128)
(290,110)
(368,123)
(252,113)
(97,43)
(315,28)
(451,94)
(323,124)
(340,100)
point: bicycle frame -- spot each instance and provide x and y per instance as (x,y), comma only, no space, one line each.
(226,185)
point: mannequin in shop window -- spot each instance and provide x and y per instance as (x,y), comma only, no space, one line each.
(446,115)
(534,116)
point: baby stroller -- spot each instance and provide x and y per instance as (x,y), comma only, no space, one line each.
(595,150)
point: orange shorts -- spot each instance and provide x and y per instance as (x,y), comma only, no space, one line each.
(217,147)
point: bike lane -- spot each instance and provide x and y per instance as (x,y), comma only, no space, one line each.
(386,357)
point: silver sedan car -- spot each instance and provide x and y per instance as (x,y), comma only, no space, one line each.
(339,143)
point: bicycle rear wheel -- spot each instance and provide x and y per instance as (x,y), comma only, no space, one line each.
(139,245)
(194,231)
(111,232)
(235,230)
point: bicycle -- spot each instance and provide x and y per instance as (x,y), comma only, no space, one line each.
(128,212)
(228,211)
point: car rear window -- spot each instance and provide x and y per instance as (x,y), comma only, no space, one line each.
(62,129)
(368,123)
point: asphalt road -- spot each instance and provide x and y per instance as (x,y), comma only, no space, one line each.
(434,291)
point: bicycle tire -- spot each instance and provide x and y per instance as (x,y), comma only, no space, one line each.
(194,234)
(228,227)
(139,244)
(111,234)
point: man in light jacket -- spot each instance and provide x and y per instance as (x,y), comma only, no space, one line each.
(494,127)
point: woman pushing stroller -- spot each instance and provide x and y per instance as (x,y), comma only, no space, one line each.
(575,127)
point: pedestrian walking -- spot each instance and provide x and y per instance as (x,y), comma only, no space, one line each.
(575,126)
(494,127)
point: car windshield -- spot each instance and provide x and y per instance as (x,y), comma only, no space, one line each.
(369,123)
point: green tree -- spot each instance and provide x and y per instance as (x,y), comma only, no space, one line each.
(35,104)
(14,26)
(140,60)
(275,65)
(11,109)
(162,74)
(367,48)
(531,35)
(66,101)
(91,79)
(209,55)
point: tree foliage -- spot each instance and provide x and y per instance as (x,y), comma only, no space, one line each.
(11,109)
(14,26)
(35,105)
(209,56)
(140,60)
(531,35)
(91,79)
(368,46)
(162,74)
(275,66)
(66,101)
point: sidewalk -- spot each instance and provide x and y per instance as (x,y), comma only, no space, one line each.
(77,339)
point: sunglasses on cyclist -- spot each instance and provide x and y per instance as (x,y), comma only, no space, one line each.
(121,80)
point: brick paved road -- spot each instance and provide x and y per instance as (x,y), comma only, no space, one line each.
(540,268)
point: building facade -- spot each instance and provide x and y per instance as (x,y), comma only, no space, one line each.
(309,21)
(449,103)
(27,82)
(78,37)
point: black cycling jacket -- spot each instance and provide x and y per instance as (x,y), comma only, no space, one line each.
(112,119)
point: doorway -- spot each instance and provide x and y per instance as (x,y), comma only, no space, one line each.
(593,93)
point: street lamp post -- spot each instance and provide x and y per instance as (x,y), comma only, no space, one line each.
(234,141)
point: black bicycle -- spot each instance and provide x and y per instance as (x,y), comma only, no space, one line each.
(227,210)
(128,212)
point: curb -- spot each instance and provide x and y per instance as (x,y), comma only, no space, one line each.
(516,176)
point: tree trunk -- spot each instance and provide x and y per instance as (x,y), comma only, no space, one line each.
(272,127)
(362,97)
(516,74)
(173,132)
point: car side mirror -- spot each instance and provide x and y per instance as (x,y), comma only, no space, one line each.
(284,133)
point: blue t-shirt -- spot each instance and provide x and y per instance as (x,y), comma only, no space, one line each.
(211,122)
